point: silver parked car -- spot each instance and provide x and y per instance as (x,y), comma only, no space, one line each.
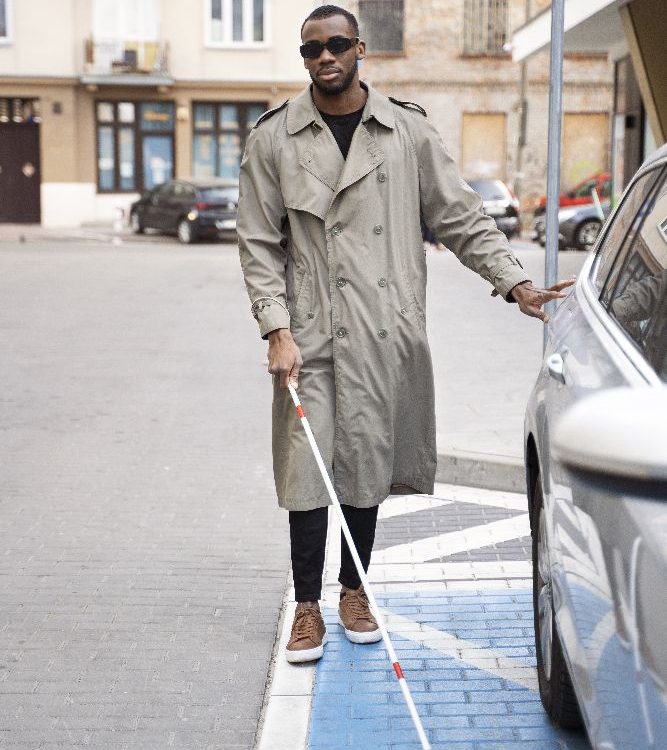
(599,516)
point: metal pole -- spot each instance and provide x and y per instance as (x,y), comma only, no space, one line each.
(553,150)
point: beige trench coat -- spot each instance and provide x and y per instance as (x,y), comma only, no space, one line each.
(338,244)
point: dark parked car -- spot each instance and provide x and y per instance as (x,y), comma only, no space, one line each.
(596,466)
(191,209)
(578,226)
(500,203)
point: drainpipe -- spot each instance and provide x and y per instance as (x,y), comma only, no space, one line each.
(553,151)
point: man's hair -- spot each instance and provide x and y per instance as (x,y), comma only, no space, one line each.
(326,11)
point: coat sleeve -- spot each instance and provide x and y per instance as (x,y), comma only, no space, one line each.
(453,212)
(260,222)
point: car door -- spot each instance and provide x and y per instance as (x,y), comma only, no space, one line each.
(590,350)
(154,212)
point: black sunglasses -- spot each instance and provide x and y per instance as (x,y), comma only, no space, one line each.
(335,44)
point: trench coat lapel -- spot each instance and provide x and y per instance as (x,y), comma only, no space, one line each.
(364,156)
(318,152)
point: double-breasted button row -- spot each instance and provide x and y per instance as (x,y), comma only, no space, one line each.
(342,332)
(377,229)
(382,177)
(382,282)
(340,282)
(336,229)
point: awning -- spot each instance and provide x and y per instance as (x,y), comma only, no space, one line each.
(591,26)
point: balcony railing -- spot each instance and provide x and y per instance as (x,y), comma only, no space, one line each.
(110,57)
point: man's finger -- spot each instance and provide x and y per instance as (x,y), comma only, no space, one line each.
(563,283)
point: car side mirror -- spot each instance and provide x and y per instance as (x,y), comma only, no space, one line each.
(617,440)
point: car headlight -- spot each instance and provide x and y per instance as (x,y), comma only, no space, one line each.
(193,214)
(566,213)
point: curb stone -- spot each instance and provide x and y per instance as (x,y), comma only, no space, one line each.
(484,470)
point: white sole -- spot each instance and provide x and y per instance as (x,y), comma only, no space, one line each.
(373,636)
(308,654)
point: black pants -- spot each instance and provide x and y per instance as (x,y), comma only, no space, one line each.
(308,536)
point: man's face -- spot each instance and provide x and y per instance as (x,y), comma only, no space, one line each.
(332,74)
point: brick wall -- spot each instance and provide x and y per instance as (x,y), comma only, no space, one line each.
(434,71)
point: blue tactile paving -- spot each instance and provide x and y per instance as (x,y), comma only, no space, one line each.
(358,703)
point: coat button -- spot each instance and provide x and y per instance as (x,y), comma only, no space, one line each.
(382,282)
(381,176)
(341,332)
(310,315)
(382,333)
(336,230)
(340,282)
(377,229)
(404,311)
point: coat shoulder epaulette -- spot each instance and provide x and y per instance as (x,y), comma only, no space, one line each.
(408,105)
(269,113)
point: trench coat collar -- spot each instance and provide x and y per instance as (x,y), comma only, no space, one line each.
(301,111)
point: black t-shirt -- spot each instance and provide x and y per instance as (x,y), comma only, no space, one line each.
(343,127)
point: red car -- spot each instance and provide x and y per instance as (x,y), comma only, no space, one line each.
(581,193)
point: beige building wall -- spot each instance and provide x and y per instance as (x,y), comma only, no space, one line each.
(434,72)
(45,60)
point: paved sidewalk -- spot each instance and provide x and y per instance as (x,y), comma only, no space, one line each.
(452,574)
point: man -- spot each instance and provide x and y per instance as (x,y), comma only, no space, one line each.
(334,185)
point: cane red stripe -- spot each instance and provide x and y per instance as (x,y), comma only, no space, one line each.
(299,411)
(398,670)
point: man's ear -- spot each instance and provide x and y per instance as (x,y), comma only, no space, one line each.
(361,50)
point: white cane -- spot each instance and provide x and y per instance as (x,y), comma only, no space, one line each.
(362,574)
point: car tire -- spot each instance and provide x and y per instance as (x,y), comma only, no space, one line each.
(185,232)
(556,690)
(135,223)
(587,233)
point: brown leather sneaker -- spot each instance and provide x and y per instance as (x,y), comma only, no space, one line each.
(308,636)
(355,616)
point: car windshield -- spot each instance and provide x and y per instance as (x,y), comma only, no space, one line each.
(219,194)
(489,190)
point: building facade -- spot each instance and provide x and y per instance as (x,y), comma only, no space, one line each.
(454,58)
(631,34)
(102,99)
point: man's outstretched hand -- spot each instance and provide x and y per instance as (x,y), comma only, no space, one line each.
(531,299)
(284,357)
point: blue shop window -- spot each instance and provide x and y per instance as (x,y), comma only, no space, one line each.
(158,160)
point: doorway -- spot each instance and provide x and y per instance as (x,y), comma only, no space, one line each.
(20,178)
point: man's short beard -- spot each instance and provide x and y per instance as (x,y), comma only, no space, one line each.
(334,89)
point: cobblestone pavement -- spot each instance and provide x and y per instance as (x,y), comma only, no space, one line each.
(143,559)
(452,575)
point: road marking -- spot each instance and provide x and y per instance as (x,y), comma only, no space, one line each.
(453,542)
(491,498)
(494,662)
(400,506)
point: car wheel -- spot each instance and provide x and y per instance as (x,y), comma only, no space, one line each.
(185,233)
(587,233)
(135,223)
(556,691)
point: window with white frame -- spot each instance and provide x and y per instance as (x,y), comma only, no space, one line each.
(5,30)
(485,27)
(236,21)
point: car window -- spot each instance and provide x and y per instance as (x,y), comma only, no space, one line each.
(584,191)
(220,195)
(489,190)
(622,227)
(637,291)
